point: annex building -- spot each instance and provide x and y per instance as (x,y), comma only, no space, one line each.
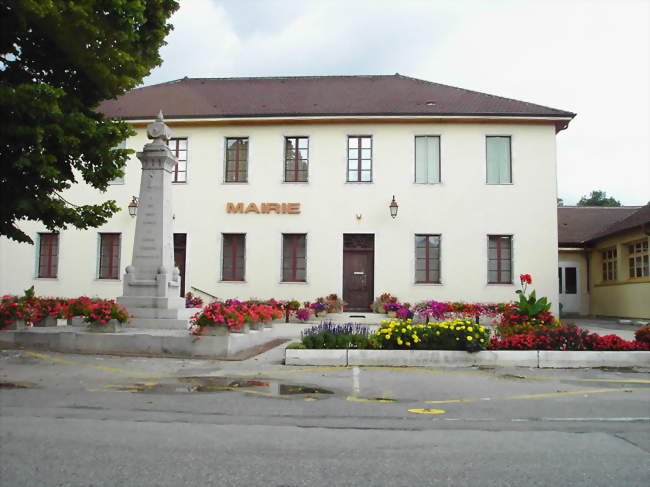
(297,187)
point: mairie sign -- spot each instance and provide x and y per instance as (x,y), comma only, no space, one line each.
(263,208)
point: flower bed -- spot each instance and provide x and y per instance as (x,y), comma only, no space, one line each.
(232,315)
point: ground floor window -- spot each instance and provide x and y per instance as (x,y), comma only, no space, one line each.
(294,262)
(609,264)
(637,253)
(48,254)
(427,259)
(109,255)
(233,261)
(499,259)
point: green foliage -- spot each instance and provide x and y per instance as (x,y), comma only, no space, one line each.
(329,340)
(58,60)
(598,198)
(531,306)
(296,345)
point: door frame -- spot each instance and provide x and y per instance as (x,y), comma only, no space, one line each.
(369,251)
(565,298)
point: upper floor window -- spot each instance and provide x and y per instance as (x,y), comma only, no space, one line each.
(498,156)
(178,146)
(609,264)
(360,158)
(109,255)
(637,255)
(237,159)
(427,258)
(499,259)
(119,179)
(427,159)
(233,257)
(296,159)
(294,261)
(48,254)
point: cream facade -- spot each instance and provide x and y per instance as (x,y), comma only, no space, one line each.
(462,209)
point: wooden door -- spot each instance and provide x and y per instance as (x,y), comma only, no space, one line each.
(180,246)
(358,271)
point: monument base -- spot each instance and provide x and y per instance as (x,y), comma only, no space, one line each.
(157,313)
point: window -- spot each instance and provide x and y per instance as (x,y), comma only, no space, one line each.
(360,159)
(427,159)
(119,179)
(237,160)
(178,147)
(233,257)
(499,259)
(48,254)
(296,159)
(609,264)
(427,258)
(637,255)
(109,255)
(499,170)
(294,262)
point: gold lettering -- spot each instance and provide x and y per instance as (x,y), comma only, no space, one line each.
(232,208)
(274,207)
(293,208)
(252,208)
(265,208)
(284,208)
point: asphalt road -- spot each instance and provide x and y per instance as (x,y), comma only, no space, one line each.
(84,420)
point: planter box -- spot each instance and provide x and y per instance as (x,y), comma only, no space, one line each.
(14,325)
(113,326)
(570,360)
(76,321)
(215,331)
(47,321)
(257,325)
(313,357)
(245,328)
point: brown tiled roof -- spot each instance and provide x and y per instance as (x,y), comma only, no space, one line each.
(640,218)
(315,96)
(579,224)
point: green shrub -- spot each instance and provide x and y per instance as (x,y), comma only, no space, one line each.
(296,345)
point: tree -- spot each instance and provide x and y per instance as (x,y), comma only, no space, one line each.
(560,202)
(598,198)
(58,60)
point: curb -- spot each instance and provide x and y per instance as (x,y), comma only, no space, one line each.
(542,359)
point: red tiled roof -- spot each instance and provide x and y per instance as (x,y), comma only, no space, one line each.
(316,96)
(579,224)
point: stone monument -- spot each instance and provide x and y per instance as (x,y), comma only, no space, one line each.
(152,281)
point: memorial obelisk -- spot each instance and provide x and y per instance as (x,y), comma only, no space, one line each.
(152,281)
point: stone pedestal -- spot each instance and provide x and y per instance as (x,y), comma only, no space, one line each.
(152,282)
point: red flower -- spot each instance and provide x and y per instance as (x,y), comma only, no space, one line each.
(525,278)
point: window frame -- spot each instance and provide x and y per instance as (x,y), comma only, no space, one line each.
(415,158)
(359,160)
(52,266)
(294,268)
(237,161)
(487,178)
(116,243)
(609,266)
(638,259)
(233,256)
(296,160)
(176,151)
(498,259)
(428,259)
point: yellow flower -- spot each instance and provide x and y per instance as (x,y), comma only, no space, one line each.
(420,326)
(480,328)
(437,333)
(403,330)
(409,327)
(482,340)
(408,344)
(415,337)
(388,337)
(469,328)
(399,341)
(469,338)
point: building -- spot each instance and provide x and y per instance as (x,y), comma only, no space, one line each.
(283,189)
(603,254)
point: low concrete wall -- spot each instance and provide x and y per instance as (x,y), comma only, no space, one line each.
(451,358)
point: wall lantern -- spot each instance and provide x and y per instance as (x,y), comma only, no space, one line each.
(393,207)
(133,206)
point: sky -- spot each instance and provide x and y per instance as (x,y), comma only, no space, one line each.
(590,57)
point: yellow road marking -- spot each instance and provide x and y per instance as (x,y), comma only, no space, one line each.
(98,367)
(537,396)
(364,399)
(427,411)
